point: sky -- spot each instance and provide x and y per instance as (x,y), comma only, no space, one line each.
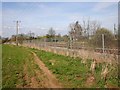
(38,17)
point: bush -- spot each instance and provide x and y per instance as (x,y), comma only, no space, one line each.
(108,38)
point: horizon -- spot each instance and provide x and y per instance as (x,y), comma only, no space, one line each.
(38,17)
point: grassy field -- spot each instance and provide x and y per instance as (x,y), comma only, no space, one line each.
(13,59)
(18,62)
(0,66)
(18,67)
(72,73)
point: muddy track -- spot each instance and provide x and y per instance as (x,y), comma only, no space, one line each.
(52,82)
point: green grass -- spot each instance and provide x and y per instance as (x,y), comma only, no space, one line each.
(68,70)
(0,66)
(14,60)
(71,72)
(12,64)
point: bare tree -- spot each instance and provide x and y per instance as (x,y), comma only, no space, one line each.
(86,27)
(94,26)
(51,32)
(75,31)
(90,27)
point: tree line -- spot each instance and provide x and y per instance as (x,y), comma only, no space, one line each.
(89,31)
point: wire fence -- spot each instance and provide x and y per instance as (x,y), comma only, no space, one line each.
(77,50)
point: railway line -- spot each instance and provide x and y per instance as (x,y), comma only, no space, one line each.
(78,46)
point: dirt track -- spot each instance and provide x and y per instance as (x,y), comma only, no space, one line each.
(52,82)
(42,78)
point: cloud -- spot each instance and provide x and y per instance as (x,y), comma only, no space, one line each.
(75,17)
(39,17)
(101,6)
(106,22)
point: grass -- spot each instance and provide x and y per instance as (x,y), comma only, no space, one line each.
(14,60)
(69,71)
(72,73)
(0,66)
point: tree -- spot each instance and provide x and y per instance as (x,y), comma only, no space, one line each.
(51,34)
(59,35)
(65,38)
(90,27)
(94,26)
(75,31)
(13,38)
(108,38)
(4,40)
(31,35)
(119,32)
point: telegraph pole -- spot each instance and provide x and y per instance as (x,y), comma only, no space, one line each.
(17,28)
(103,44)
(115,31)
(30,37)
(88,29)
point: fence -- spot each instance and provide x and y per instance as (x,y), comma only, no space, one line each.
(82,52)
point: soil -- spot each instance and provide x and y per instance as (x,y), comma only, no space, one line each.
(43,77)
(90,80)
(51,81)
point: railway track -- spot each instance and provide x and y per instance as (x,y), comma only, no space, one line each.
(78,46)
(99,50)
